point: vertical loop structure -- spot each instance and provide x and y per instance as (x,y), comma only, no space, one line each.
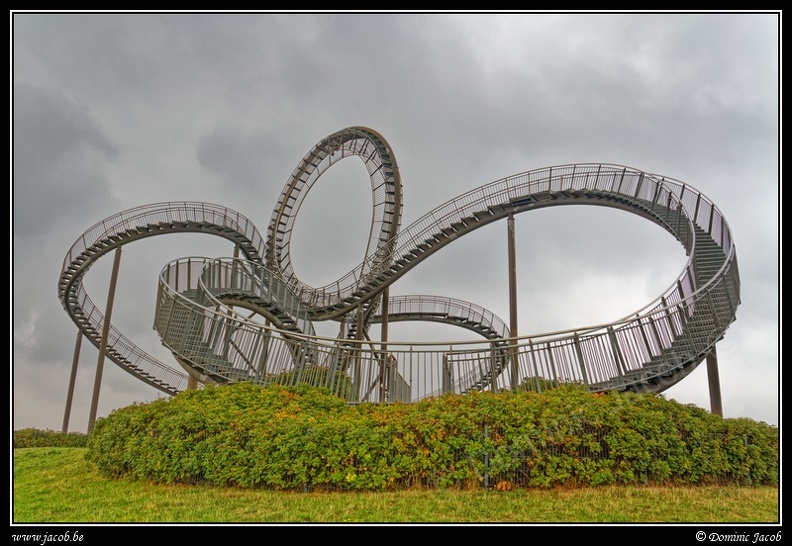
(198,318)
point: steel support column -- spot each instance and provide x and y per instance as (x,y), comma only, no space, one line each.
(513,300)
(384,346)
(72,380)
(103,343)
(713,378)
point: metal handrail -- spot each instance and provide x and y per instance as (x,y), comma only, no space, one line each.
(652,348)
(123,228)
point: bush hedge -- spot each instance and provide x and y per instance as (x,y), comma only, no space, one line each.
(33,437)
(303,437)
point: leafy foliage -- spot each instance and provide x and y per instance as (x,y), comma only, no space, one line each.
(304,437)
(33,437)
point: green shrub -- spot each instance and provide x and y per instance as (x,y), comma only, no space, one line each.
(302,437)
(32,437)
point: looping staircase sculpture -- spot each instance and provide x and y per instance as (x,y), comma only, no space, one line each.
(198,303)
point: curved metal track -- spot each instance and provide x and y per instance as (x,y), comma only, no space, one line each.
(198,299)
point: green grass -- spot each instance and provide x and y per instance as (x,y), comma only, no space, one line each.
(57,485)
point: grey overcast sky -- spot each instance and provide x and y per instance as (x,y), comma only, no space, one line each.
(116,110)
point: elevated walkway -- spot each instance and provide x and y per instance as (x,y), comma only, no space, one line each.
(197,314)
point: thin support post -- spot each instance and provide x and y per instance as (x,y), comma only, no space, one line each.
(358,354)
(72,381)
(103,343)
(513,301)
(384,330)
(713,378)
(384,347)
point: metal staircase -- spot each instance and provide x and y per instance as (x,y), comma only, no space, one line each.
(650,349)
